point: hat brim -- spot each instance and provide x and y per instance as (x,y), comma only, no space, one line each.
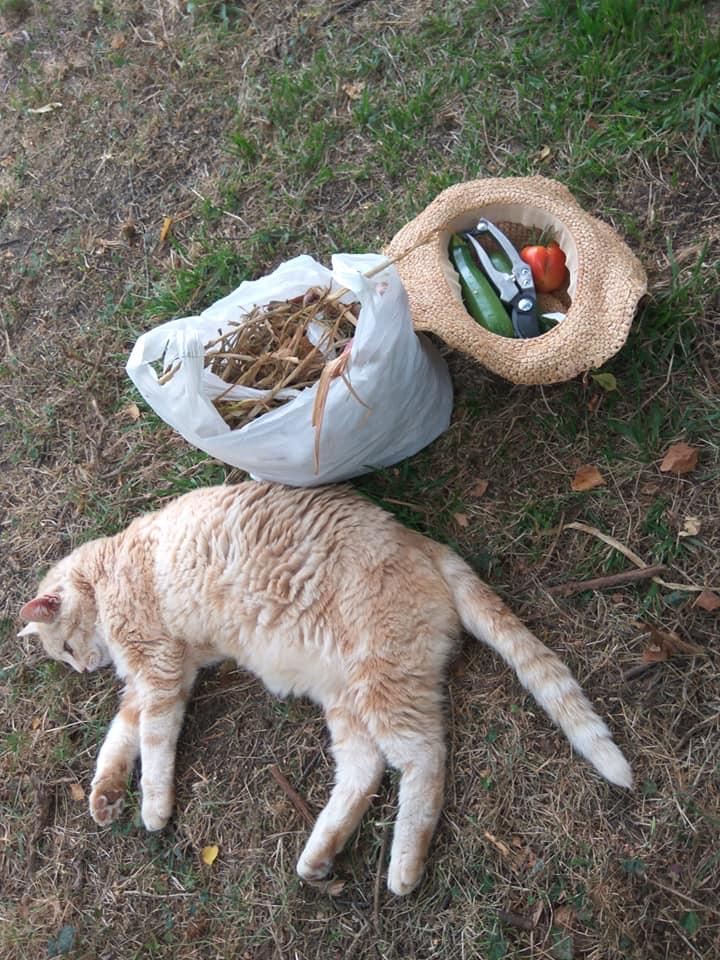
(606,279)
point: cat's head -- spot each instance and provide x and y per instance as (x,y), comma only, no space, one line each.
(64,616)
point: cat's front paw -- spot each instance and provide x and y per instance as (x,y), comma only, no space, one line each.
(312,869)
(156,811)
(107,800)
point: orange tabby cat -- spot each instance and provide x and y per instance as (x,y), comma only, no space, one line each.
(320,593)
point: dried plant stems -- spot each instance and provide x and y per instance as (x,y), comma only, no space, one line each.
(287,344)
(331,297)
(336,368)
(270,349)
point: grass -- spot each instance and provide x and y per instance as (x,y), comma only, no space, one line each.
(264,132)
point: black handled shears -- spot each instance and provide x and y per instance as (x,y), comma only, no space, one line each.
(515,289)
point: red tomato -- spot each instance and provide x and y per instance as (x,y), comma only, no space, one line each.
(547,265)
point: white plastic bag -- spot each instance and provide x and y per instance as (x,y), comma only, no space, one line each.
(399,376)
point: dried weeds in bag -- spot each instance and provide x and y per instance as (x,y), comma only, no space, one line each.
(284,343)
(376,400)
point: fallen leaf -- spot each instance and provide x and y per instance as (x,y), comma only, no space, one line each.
(655,653)
(77,792)
(167,223)
(64,942)
(209,854)
(354,91)
(132,411)
(543,153)
(605,380)
(691,527)
(587,478)
(707,600)
(679,458)
(665,644)
(634,866)
(690,922)
(521,859)
(461,519)
(117,41)
(36,721)
(479,488)
(498,844)
(196,928)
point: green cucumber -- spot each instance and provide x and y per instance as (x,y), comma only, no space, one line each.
(482,303)
(500,260)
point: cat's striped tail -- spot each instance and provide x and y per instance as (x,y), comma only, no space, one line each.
(485,616)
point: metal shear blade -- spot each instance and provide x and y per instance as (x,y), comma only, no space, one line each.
(515,289)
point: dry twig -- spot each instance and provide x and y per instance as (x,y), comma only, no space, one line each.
(611,580)
(293,796)
(634,558)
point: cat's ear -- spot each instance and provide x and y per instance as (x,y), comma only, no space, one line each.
(42,609)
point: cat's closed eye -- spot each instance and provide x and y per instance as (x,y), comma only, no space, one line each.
(67,648)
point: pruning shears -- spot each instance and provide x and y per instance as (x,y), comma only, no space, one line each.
(515,288)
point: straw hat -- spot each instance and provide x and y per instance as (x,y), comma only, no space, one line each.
(606,279)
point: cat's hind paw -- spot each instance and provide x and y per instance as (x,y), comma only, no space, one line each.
(106,804)
(403,876)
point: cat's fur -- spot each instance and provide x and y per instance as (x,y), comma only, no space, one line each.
(320,593)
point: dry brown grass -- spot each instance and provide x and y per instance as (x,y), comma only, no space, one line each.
(535,857)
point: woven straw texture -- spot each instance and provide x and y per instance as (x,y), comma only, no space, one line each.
(606,279)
